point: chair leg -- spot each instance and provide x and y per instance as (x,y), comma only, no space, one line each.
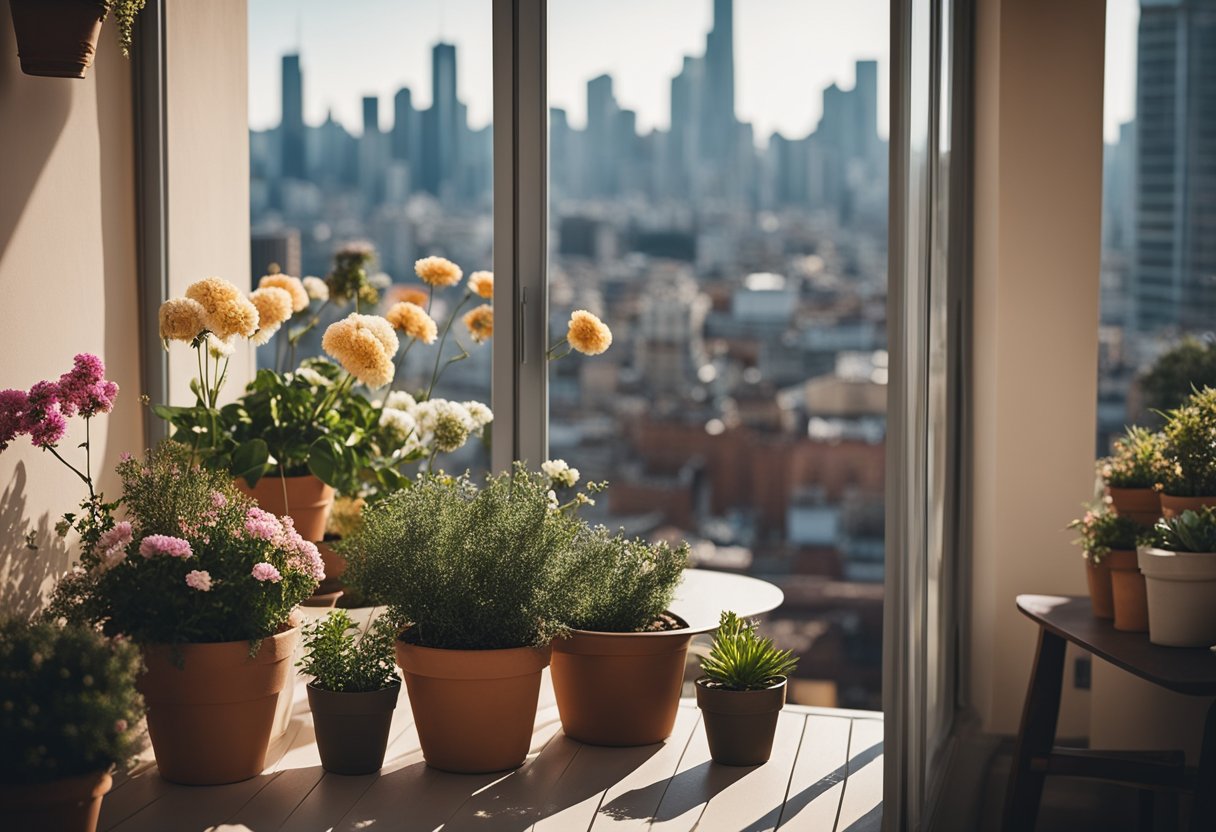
(1037,734)
(1203,812)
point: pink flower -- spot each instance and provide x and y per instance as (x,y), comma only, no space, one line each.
(163,544)
(266,572)
(12,409)
(49,430)
(301,555)
(41,418)
(84,389)
(125,456)
(111,546)
(218,500)
(199,579)
(120,726)
(262,524)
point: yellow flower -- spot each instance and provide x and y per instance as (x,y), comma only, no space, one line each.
(408,294)
(438,271)
(274,307)
(364,345)
(226,311)
(292,285)
(181,319)
(480,322)
(588,334)
(412,319)
(482,283)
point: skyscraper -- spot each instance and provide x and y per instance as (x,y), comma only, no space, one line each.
(1174,272)
(602,113)
(291,121)
(372,155)
(405,135)
(441,124)
(718,111)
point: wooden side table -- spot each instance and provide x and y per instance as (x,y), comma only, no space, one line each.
(1183,670)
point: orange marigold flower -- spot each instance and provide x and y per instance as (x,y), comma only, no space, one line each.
(480,322)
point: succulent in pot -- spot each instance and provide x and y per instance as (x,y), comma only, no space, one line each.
(742,692)
(68,715)
(1131,474)
(1116,587)
(619,673)
(206,583)
(354,689)
(1189,478)
(1180,571)
(475,571)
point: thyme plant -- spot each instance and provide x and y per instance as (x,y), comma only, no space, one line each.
(345,659)
(1190,446)
(621,585)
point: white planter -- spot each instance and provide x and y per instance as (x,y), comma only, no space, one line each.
(1181,597)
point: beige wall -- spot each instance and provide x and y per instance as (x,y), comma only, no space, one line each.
(1039,78)
(68,280)
(68,271)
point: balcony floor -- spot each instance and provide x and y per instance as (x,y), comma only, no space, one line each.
(825,775)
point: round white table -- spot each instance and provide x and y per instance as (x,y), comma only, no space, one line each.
(703,594)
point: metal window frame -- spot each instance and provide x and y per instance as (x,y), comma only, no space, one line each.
(520,381)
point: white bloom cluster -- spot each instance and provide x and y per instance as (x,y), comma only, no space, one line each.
(313,377)
(400,425)
(220,347)
(316,288)
(560,473)
(415,423)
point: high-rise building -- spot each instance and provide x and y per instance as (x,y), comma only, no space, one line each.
(406,133)
(602,112)
(1174,271)
(441,124)
(372,155)
(718,111)
(291,121)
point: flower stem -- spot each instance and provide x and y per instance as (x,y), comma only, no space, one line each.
(557,345)
(447,327)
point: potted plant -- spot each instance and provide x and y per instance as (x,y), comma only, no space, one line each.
(69,714)
(742,692)
(354,690)
(1132,472)
(476,573)
(1116,587)
(619,673)
(1189,477)
(1180,568)
(58,38)
(205,582)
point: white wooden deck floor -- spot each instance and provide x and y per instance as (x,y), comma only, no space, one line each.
(825,775)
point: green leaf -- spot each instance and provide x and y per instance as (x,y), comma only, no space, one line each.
(249,460)
(325,461)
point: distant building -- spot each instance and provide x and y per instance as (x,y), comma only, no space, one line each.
(291,121)
(280,247)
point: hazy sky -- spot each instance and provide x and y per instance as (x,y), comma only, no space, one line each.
(786,52)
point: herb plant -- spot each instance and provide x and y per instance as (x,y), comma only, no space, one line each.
(1137,460)
(741,659)
(345,659)
(194,560)
(124,12)
(1191,531)
(68,703)
(1190,446)
(469,568)
(1102,531)
(621,585)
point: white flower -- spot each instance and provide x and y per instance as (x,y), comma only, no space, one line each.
(397,423)
(313,377)
(220,347)
(553,503)
(480,414)
(380,280)
(316,288)
(400,400)
(560,473)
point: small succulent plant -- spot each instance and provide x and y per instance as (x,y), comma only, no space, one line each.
(742,659)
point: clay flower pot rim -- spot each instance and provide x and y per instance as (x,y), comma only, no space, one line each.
(710,684)
(682,630)
(396,683)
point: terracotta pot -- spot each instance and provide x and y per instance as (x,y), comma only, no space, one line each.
(335,564)
(619,688)
(1127,591)
(474,709)
(1173,506)
(740,724)
(325,600)
(210,719)
(67,805)
(1140,504)
(352,728)
(56,38)
(308,501)
(1098,576)
(1181,597)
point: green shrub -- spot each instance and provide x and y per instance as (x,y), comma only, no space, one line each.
(1137,460)
(741,659)
(1190,446)
(621,585)
(469,568)
(1189,365)
(68,703)
(345,659)
(1191,531)
(1103,531)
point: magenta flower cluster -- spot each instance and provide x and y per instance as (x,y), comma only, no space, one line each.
(163,544)
(42,411)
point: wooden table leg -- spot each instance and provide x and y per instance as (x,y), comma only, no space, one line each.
(1037,734)
(1203,813)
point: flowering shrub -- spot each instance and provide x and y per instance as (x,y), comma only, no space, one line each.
(68,703)
(1137,461)
(1190,446)
(193,561)
(470,568)
(345,660)
(1102,531)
